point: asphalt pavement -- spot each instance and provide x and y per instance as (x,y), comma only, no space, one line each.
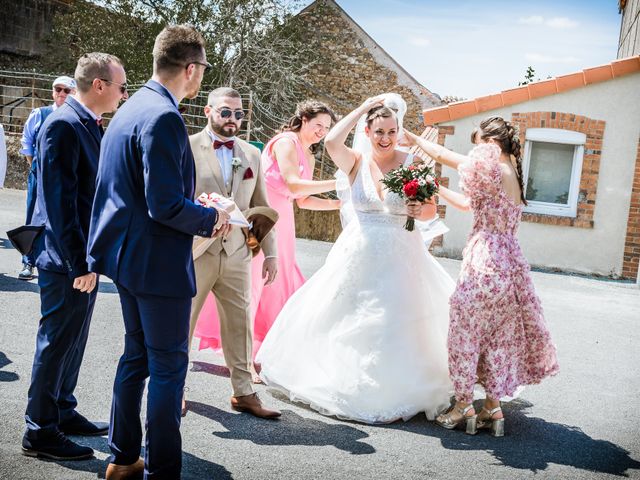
(582,424)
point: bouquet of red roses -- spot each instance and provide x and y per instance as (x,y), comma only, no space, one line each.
(415,182)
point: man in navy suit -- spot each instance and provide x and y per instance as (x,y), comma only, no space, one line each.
(68,152)
(142,227)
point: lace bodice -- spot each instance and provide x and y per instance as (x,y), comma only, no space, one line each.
(367,203)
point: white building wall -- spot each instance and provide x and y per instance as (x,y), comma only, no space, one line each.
(598,250)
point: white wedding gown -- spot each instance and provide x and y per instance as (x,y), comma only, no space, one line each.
(365,337)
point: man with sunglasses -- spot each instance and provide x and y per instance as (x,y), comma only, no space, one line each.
(230,166)
(62,86)
(68,148)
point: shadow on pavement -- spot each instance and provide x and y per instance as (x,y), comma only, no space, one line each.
(290,429)
(210,368)
(107,287)
(532,443)
(12,284)
(7,376)
(192,467)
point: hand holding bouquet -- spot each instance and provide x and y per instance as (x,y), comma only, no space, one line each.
(415,182)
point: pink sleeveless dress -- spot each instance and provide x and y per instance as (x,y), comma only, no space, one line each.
(266,302)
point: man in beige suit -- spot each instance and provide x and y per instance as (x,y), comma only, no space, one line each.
(231,167)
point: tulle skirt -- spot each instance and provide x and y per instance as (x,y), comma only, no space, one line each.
(365,338)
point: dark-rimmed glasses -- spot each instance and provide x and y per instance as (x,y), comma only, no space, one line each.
(66,90)
(227,112)
(207,66)
(123,86)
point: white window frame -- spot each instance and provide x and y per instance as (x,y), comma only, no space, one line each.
(566,137)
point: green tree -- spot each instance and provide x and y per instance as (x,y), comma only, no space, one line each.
(528,76)
(252,44)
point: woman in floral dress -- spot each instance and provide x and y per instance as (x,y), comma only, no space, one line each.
(497,333)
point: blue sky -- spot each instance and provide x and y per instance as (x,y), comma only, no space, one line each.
(473,48)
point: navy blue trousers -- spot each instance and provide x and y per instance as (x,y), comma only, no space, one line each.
(32,190)
(60,343)
(155,346)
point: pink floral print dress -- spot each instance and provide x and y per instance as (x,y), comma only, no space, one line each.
(497,333)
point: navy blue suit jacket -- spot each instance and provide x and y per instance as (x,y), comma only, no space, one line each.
(68,151)
(144,217)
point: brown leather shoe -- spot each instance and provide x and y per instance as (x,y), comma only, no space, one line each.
(122,472)
(252,404)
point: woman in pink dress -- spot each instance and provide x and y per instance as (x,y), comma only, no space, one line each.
(288,163)
(497,333)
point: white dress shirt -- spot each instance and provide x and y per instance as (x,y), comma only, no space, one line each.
(225,157)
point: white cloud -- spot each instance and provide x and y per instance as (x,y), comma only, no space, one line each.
(451,65)
(420,41)
(532,20)
(561,22)
(555,22)
(539,58)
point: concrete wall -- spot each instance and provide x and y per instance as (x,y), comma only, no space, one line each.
(598,250)
(629,42)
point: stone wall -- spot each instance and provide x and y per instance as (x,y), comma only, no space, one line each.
(17,166)
(24,24)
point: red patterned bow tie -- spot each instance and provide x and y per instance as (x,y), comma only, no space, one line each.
(99,121)
(217,144)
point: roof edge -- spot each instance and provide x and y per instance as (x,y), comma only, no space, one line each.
(531,91)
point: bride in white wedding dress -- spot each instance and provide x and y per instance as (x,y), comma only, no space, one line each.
(365,337)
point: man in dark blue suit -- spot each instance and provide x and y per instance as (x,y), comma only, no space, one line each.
(142,227)
(69,148)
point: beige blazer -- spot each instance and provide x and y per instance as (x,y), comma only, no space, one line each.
(246,192)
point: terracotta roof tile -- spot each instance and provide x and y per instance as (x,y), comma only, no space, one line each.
(625,66)
(569,82)
(560,84)
(598,74)
(515,95)
(462,109)
(488,102)
(542,89)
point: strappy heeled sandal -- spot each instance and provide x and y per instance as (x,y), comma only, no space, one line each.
(496,424)
(446,420)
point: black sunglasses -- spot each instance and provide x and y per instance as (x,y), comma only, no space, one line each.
(123,86)
(227,112)
(207,66)
(60,89)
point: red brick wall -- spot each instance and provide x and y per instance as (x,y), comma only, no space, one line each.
(444,181)
(631,256)
(594,130)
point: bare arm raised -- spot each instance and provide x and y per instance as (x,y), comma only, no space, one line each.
(439,153)
(345,158)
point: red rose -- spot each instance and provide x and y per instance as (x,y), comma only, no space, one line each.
(248,173)
(410,189)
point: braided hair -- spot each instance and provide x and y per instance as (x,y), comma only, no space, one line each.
(506,136)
